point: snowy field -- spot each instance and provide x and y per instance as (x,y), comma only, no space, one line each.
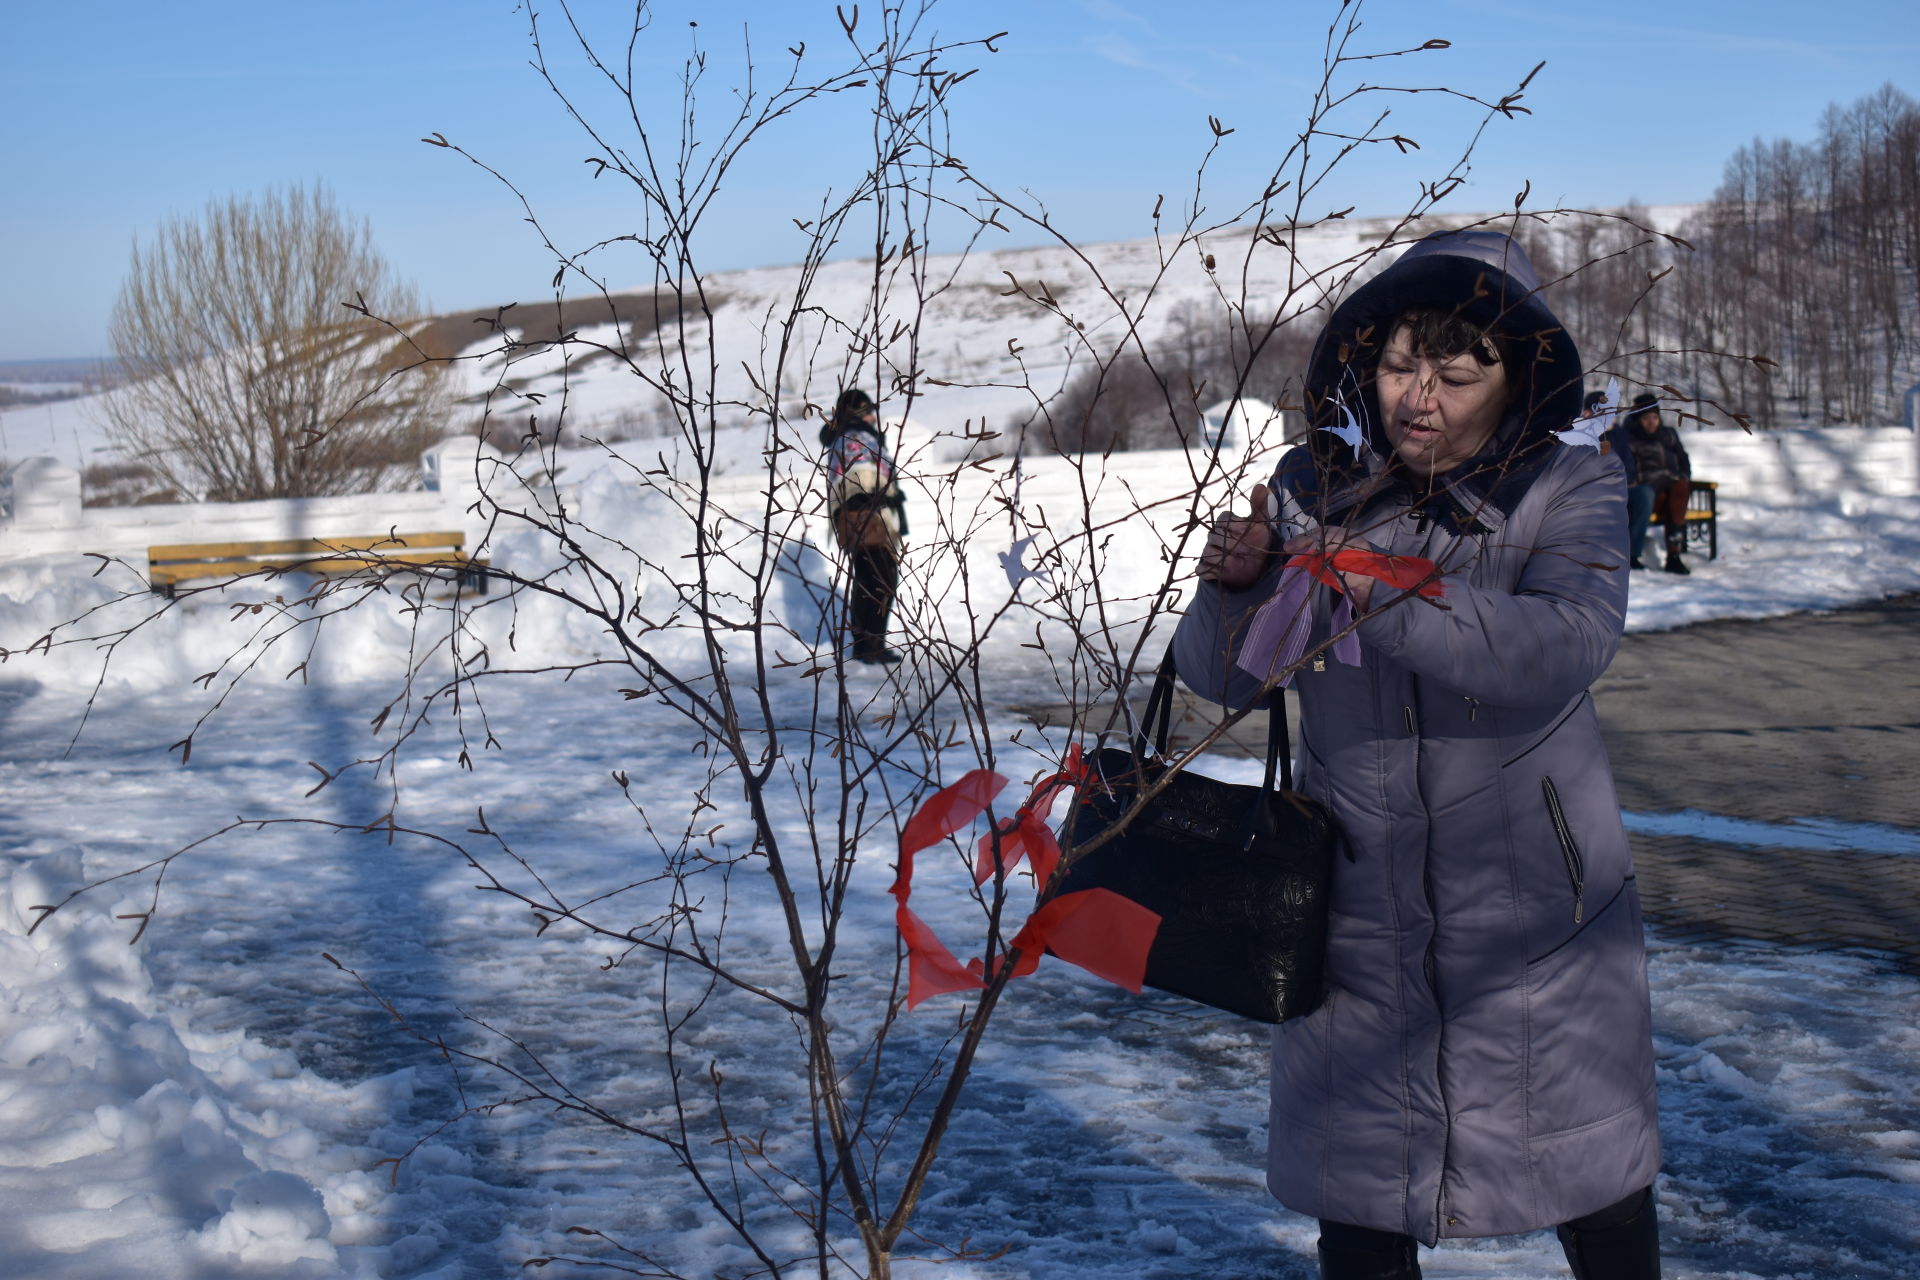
(221,1100)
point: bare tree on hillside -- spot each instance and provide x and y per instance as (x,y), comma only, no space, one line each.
(253,367)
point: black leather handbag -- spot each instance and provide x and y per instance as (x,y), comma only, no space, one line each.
(1238,874)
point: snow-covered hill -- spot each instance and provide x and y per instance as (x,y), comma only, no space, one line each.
(996,348)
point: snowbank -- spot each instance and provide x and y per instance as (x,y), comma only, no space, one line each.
(1809,520)
(134,1144)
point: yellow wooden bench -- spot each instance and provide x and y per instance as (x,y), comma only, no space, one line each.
(168,566)
(1703,517)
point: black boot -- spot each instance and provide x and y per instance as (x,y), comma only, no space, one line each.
(1675,564)
(1606,1246)
(1340,1260)
(1638,563)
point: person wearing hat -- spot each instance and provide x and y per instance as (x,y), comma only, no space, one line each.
(1482,1064)
(869,515)
(1659,478)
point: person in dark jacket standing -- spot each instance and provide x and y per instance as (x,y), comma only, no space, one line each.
(869,518)
(1483,1062)
(1659,478)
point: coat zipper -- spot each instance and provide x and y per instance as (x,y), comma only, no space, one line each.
(1569,851)
(1441,1220)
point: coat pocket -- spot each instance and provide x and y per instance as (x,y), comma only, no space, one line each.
(1541,738)
(1569,848)
(1589,1023)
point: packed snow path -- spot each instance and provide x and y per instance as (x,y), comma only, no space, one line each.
(1104,1136)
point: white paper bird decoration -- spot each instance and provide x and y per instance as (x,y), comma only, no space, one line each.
(1349,430)
(1588,428)
(1012,562)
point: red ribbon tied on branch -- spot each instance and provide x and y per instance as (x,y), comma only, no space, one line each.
(931,968)
(1277,637)
(1098,930)
(1402,573)
(1027,833)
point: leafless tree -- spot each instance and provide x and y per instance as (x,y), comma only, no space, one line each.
(1808,255)
(253,367)
(816,1147)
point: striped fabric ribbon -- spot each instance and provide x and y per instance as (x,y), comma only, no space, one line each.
(1277,638)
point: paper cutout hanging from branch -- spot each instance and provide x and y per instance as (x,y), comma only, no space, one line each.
(1013,564)
(1590,427)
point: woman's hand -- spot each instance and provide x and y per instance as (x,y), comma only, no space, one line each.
(1238,547)
(1337,538)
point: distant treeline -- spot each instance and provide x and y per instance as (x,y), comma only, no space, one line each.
(25,383)
(90,369)
(1137,401)
(1808,255)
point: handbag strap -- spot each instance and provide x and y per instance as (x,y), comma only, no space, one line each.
(1279,741)
(1156,724)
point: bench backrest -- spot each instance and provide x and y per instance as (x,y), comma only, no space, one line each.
(276,547)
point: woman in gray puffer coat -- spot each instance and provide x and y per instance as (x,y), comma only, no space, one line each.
(1483,1062)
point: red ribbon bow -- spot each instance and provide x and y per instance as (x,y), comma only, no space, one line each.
(1096,929)
(931,968)
(1400,572)
(1027,833)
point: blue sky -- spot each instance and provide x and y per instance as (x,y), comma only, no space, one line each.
(115,115)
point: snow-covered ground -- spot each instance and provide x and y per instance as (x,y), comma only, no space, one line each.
(218,1098)
(215,1099)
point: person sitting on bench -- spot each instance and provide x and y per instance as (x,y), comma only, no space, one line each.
(1659,477)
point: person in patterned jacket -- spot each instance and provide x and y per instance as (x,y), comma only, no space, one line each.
(869,515)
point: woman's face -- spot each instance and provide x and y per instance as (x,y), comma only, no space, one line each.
(1438,413)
